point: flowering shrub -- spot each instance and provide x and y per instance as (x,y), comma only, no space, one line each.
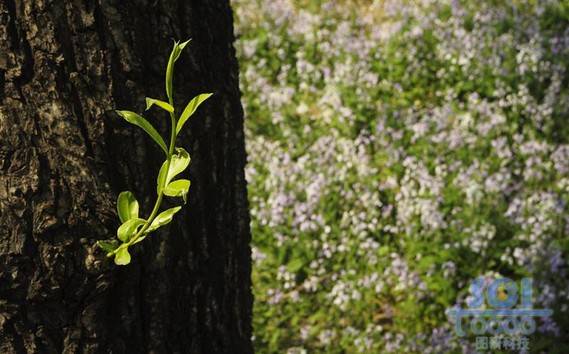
(399,150)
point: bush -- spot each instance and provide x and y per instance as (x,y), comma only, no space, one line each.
(398,151)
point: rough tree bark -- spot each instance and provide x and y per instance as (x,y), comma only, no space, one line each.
(65,156)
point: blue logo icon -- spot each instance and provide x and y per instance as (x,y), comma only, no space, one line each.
(499,308)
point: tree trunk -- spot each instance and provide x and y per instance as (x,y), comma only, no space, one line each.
(65,155)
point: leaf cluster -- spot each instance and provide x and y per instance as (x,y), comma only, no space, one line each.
(133,228)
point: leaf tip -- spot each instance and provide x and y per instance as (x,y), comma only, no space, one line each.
(183,44)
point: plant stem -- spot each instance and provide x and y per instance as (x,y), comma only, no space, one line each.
(160,196)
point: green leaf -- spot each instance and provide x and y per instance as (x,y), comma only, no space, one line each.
(164,105)
(170,72)
(127,206)
(108,246)
(136,119)
(178,188)
(191,109)
(174,55)
(179,162)
(161,180)
(129,228)
(163,218)
(122,256)
(183,45)
(295,265)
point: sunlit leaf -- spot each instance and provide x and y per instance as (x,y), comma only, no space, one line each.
(174,55)
(163,218)
(191,109)
(108,246)
(129,228)
(164,105)
(183,45)
(161,180)
(170,69)
(138,120)
(122,256)
(178,188)
(179,162)
(127,206)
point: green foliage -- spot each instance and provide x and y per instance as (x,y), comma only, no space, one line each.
(127,206)
(190,109)
(164,218)
(138,120)
(178,188)
(397,150)
(176,51)
(164,105)
(122,256)
(134,229)
(128,229)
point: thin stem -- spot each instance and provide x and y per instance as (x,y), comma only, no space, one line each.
(160,196)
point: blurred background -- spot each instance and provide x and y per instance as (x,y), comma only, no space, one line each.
(398,150)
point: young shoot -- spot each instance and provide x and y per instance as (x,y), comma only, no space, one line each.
(133,228)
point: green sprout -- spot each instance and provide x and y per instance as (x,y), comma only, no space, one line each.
(134,229)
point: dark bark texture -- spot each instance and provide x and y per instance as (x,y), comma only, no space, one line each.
(65,65)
